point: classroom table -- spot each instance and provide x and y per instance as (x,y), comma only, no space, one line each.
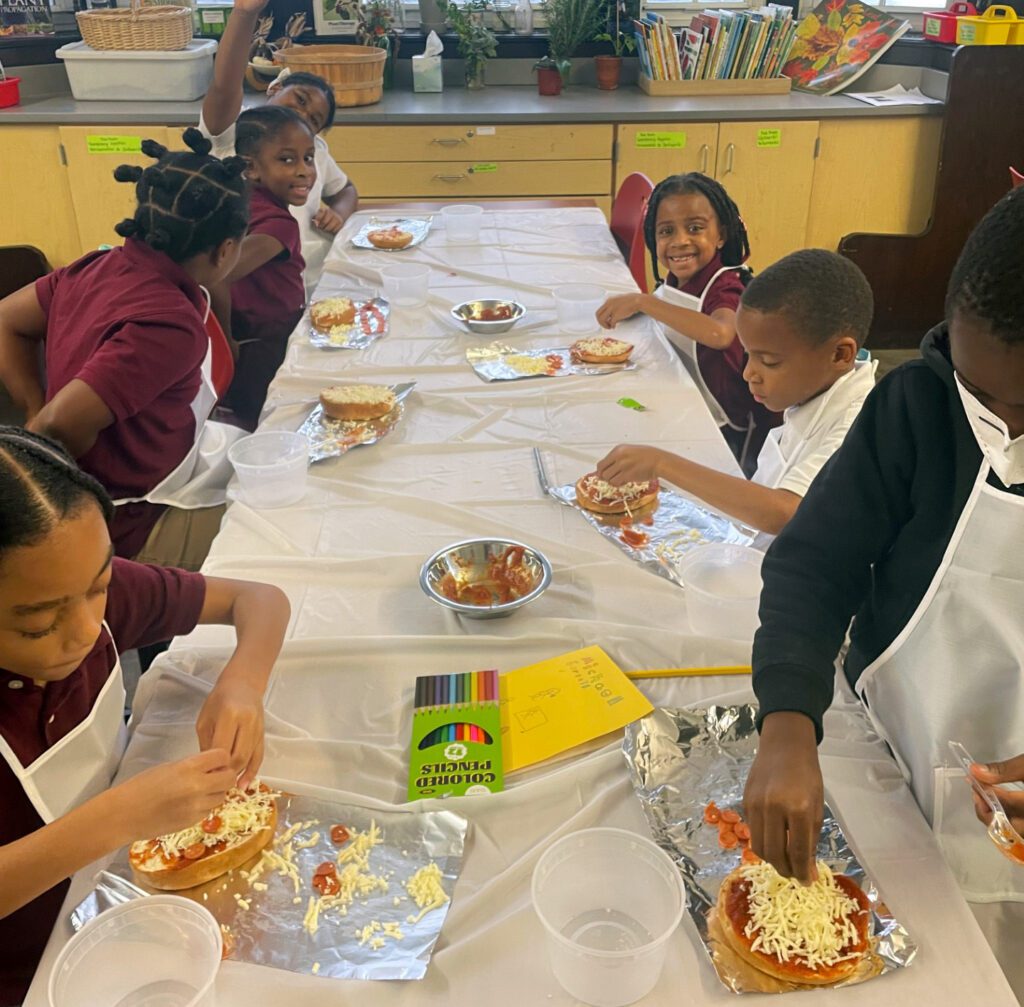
(460,465)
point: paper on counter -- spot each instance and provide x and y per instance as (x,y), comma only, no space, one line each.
(895,95)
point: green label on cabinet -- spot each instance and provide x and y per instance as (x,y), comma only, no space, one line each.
(769,137)
(651,140)
(481,169)
(113,144)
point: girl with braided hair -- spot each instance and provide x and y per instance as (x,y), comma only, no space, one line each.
(127,353)
(693,230)
(67,606)
(333,197)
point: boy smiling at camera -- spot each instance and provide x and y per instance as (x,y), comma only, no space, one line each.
(802,323)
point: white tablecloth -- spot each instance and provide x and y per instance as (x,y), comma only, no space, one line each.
(339,702)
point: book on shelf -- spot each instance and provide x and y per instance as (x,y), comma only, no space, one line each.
(837,42)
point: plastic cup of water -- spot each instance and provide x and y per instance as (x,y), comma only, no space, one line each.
(462,223)
(609,900)
(406,284)
(577,304)
(160,951)
(272,467)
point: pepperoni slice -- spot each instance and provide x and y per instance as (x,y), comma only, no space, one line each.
(728,840)
(211,825)
(193,852)
(743,830)
(339,834)
(325,870)
(750,857)
(730,816)
(326,884)
(711,814)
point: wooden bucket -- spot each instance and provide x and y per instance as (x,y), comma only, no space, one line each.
(356,72)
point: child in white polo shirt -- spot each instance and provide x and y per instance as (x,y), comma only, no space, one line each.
(802,323)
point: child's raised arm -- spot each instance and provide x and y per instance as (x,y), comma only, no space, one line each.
(22,329)
(717,330)
(153,803)
(223,101)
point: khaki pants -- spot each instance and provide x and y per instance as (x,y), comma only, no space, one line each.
(182,538)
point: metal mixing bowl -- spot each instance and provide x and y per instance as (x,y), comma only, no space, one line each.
(464,313)
(467,561)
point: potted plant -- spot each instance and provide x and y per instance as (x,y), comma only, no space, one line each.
(549,76)
(609,68)
(570,23)
(377,29)
(476,44)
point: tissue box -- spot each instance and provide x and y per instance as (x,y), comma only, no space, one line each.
(426,73)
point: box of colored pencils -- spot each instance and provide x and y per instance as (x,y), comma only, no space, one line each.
(456,736)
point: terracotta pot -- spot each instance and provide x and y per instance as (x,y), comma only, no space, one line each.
(549,81)
(609,68)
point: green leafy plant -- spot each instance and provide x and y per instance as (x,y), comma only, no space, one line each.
(376,24)
(622,42)
(476,43)
(570,23)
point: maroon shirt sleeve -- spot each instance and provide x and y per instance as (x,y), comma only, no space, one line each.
(137,363)
(46,287)
(725,292)
(282,227)
(147,604)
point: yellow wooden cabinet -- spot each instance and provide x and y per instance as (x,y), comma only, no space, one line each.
(37,206)
(873,175)
(101,202)
(658,150)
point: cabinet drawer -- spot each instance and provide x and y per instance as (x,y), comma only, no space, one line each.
(463,179)
(351,144)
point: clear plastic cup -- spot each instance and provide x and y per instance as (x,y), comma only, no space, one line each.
(577,304)
(161,951)
(406,284)
(272,467)
(462,223)
(609,900)
(723,589)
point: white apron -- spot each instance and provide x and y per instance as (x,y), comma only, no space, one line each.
(201,477)
(687,347)
(82,764)
(956,672)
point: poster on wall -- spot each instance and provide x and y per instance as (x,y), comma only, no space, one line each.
(25,17)
(333,17)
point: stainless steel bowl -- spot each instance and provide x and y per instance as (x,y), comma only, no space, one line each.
(467,561)
(464,313)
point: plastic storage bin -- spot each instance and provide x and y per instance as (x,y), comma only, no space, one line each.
(139,75)
(940,25)
(994,27)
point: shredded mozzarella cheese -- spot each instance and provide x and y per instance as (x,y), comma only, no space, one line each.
(598,347)
(523,364)
(370,394)
(426,889)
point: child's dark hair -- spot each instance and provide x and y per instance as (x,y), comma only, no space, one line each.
(986,280)
(736,249)
(822,294)
(189,202)
(312,80)
(40,486)
(257,126)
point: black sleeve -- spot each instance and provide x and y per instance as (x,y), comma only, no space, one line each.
(817,573)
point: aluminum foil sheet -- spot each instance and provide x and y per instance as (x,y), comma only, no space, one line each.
(418,227)
(679,760)
(332,438)
(370,324)
(271,931)
(497,362)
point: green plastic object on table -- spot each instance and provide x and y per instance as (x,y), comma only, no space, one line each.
(632,404)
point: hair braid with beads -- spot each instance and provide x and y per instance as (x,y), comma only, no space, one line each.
(40,486)
(188,202)
(736,249)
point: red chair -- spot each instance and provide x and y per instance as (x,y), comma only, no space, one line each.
(222,363)
(1016,178)
(628,212)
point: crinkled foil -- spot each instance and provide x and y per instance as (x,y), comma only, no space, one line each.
(367,327)
(332,438)
(679,760)
(490,362)
(677,526)
(418,227)
(271,932)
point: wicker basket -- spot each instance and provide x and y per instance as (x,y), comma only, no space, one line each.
(162,29)
(356,72)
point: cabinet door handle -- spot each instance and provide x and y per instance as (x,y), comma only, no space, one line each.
(730,151)
(449,178)
(448,141)
(705,152)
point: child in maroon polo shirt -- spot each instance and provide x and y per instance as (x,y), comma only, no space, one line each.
(66,608)
(125,333)
(267,291)
(695,232)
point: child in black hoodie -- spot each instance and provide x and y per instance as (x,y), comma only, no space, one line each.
(915,530)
